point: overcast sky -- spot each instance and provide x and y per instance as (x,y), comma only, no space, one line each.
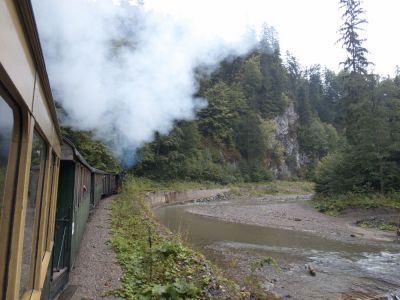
(115,92)
(307,28)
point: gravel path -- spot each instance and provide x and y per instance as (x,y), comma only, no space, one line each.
(96,270)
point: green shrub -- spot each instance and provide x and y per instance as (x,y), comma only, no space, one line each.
(334,204)
(157,265)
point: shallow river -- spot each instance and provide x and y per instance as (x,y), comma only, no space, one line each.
(343,269)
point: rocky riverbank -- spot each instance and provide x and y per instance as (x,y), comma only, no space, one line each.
(246,236)
(293,212)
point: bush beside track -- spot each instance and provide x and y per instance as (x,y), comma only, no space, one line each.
(156,264)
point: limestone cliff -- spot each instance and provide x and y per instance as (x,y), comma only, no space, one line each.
(286,127)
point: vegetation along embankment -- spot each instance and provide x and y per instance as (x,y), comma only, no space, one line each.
(379,211)
(156,264)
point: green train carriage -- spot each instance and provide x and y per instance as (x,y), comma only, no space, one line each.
(73,207)
(97,186)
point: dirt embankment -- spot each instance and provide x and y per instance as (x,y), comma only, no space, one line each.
(293,212)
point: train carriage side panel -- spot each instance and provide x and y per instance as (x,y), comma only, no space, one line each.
(103,183)
(63,230)
(92,190)
(106,185)
(28,195)
(80,202)
(109,189)
(81,209)
(15,56)
(97,186)
(113,184)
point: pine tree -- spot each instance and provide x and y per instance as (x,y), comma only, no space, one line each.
(357,92)
(356,61)
(294,73)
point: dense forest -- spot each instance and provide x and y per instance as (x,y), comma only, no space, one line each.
(238,136)
(94,151)
(268,117)
(346,126)
(368,158)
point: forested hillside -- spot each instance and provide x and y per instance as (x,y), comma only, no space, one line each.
(266,118)
(94,151)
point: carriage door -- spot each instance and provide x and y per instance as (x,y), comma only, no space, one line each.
(62,233)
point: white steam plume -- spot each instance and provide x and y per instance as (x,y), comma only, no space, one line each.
(127,70)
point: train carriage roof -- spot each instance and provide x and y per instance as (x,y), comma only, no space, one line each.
(71,153)
(27,18)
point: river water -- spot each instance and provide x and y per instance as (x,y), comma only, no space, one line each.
(343,270)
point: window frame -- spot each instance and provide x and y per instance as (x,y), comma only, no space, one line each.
(46,230)
(10,189)
(38,266)
(35,261)
(51,202)
(44,222)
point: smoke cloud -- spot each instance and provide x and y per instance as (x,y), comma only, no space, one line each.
(126,69)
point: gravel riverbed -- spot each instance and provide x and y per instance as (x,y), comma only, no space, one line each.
(294,212)
(349,262)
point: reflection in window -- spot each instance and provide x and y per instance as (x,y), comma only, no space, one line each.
(6,127)
(38,157)
(49,205)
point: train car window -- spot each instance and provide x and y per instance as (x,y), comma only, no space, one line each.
(9,147)
(53,186)
(6,131)
(38,158)
(46,217)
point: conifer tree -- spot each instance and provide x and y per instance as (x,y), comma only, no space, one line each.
(357,86)
(356,61)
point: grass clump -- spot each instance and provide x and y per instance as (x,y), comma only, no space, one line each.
(335,204)
(253,280)
(277,187)
(149,185)
(263,262)
(378,224)
(388,227)
(245,189)
(156,264)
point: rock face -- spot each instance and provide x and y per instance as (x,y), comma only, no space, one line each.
(165,198)
(286,135)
